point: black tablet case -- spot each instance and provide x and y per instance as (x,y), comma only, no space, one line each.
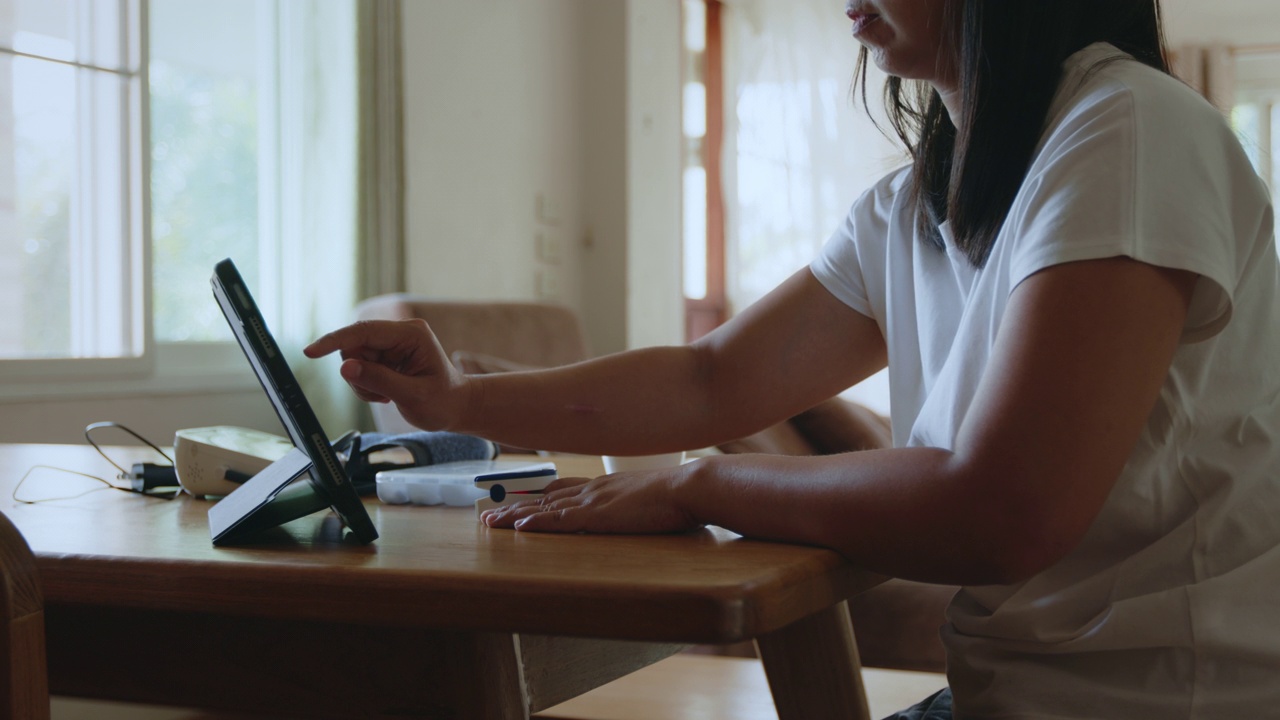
(271,497)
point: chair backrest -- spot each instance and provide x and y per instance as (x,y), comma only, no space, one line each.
(24,683)
(521,333)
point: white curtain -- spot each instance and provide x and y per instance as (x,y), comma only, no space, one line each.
(319,138)
(381,158)
(799,150)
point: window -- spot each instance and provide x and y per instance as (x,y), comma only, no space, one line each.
(71,183)
(797,149)
(211,66)
(704,289)
(141,141)
(1256,112)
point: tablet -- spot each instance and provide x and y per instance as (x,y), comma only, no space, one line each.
(272,497)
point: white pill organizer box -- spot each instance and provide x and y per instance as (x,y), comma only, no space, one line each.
(480,483)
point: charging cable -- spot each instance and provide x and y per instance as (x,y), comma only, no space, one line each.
(150,479)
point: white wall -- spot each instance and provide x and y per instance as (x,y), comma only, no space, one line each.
(492,123)
(655,305)
(155,417)
(556,119)
(1226,22)
(603,62)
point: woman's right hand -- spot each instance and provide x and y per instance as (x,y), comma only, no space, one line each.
(402,362)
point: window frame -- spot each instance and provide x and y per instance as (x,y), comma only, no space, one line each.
(702,315)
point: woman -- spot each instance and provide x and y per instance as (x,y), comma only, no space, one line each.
(1074,286)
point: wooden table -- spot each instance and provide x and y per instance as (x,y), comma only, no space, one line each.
(439,618)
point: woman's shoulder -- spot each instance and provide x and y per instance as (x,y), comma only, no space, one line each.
(887,197)
(1116,111)
(1104,81)
(892,183)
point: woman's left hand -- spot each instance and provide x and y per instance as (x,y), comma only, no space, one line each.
(638,502)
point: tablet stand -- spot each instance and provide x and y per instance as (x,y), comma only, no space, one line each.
(270,498)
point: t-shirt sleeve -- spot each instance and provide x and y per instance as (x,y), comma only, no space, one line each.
(839,270)
(1152,173)
(852,264)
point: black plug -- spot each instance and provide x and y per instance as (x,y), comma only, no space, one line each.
(149,476)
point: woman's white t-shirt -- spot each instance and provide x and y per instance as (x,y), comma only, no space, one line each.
(1170,606)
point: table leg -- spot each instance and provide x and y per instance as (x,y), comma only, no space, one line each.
(556,669)
(813,668)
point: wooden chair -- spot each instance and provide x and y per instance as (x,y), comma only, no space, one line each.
(24,683)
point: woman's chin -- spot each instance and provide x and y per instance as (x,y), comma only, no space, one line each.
(892,64)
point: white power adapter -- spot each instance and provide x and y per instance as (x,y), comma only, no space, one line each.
(205,458)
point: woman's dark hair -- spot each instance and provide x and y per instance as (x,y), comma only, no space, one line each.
(1009,59)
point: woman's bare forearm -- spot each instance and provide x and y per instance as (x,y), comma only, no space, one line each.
(796,347)
(639,402)
(912,512)
(793,349)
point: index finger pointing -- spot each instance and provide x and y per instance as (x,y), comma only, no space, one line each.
(372,334)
